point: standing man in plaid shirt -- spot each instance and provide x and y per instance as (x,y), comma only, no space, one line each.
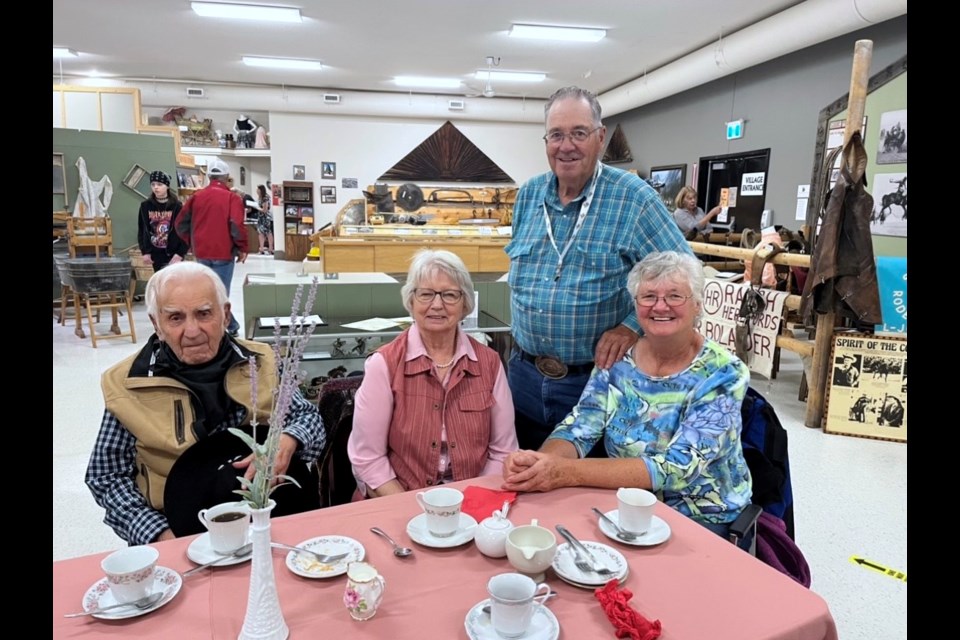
(577,231)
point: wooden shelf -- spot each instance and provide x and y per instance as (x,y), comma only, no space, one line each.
(217,151)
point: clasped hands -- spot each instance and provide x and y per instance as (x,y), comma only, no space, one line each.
(526,470)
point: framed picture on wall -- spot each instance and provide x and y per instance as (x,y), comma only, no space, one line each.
(328,195)
(328,170)
(667,181)
(59,178)
(867,387)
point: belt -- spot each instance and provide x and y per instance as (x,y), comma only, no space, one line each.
(552,368)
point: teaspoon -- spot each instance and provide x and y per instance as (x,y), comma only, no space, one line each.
(626,536)
(242,552)
(400,552)
(143,603)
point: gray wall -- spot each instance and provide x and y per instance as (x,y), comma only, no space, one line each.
(780,101)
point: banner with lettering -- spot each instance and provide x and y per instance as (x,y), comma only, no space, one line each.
(892,280)
(721,304)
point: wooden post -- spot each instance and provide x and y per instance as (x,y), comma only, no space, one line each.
(817,384)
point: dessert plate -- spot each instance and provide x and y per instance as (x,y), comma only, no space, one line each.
(99,595)
(201,552)
(417,530)
(303,564)
(543,627)
(563,564)
(658,532)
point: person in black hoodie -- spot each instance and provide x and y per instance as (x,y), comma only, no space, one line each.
(159,243)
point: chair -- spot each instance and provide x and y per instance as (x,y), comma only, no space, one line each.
(335,402)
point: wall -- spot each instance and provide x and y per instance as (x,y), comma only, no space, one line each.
(780,101)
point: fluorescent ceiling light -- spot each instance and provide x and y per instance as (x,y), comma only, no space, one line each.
(510,76)
(543,32)
(63,52)
(283,63)
(420,81)
(246,11)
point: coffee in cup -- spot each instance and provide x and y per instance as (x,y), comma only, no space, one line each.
(228,524)
(513,597)
(635,509)
(130,572)
(442,507)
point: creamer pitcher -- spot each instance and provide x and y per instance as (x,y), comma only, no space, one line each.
(364,590)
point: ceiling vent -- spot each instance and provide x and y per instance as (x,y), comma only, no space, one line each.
(331,98)
(456,105)
(194,92)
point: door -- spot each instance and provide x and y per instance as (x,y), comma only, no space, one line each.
(745,172)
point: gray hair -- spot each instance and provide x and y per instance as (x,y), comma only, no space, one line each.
(668,265)
(428,262)
(180,271)
(580,94)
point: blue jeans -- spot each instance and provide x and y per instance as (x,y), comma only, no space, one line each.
(224,269)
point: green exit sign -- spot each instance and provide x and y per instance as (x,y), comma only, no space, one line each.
(735,129)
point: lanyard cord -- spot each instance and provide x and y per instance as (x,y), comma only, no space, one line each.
(584,209)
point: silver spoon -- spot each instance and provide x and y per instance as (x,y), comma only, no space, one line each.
(626,536)
(486,607)
(143,603)
(400,552)
(243,551)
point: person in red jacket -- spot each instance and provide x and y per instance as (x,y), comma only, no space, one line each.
(211,223)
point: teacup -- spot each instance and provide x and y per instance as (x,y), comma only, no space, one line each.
(130,572)
(635,509)
(531,548)
(442,506)
(512,600)
(228,523)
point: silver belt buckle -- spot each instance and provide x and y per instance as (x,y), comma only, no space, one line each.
(550,367)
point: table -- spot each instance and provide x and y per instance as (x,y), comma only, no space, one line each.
(698,585)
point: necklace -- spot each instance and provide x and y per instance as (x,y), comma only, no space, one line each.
(444,366)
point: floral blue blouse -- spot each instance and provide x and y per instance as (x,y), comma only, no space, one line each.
(685,427)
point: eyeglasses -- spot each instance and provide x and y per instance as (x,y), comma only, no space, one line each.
(672,299)
(450,296)
(576,136)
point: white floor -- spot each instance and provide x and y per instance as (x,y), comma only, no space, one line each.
(850,493)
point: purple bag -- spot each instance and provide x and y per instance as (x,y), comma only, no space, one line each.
(777,549)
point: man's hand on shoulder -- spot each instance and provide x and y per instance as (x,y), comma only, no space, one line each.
(613,345)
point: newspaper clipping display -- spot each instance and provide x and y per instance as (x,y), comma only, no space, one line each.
(721,305)
(867,391)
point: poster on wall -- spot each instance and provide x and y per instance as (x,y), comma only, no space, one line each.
(835,139)
(892,141)
(889,217)
(867,390)
(667,181)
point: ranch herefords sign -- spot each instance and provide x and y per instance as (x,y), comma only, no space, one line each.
(721,304)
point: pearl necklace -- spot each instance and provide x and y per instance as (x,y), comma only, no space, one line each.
(444,366)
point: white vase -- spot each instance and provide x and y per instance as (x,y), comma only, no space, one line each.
(264,619)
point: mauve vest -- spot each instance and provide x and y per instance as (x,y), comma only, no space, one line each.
(421,406)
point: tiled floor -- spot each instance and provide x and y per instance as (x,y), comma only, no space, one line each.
(851,493)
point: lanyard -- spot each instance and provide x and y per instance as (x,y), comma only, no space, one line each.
(584,209)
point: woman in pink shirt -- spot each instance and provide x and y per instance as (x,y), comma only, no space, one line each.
(434,405)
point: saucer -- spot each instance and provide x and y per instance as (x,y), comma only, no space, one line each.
(566,570)
(544,625)
(307,566)
(99,595)
(658,532)
(201,552)
(417,530)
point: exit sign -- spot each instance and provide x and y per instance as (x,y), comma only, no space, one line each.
(735,129)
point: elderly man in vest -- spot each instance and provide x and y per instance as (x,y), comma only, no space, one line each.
(191,380)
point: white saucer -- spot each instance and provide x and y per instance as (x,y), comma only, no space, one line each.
(99,596)
(543,627)
(658,532)
(566,570)
(201,552)
(417,530)
(307,566)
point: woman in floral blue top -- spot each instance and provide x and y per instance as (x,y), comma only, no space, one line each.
(668,412)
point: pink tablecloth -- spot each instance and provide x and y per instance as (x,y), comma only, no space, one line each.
(698,585)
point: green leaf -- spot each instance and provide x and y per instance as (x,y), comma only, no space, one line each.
(247,438)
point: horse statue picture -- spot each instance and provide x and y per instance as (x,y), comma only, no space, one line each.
(892,141)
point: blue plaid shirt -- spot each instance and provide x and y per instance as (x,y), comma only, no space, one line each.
(565,318)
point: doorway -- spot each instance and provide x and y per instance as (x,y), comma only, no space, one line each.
(746,173)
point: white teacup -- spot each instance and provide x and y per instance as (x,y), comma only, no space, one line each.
(442,506)
(227,523)
(130,572)
(635,509)
(513,597)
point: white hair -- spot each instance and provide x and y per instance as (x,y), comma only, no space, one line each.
(181,271)
(428,262)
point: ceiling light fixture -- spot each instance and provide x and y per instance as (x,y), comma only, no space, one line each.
(283,63)
(420,81)
(546,32)
(510,76)
(246,11)
(63,52)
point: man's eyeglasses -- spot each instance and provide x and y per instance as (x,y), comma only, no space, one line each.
(672,299)
(576,136)
(450,296)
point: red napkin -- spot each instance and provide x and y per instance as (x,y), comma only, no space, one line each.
(481,502)
(624,618)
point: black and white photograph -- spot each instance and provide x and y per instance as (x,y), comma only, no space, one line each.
(889,217)
(846,370)
(299,172)
(667,181)
(328,170)
(328,195)
(892,141)
(880,368)
(350,183)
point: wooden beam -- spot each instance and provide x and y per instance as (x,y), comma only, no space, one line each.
(739,253)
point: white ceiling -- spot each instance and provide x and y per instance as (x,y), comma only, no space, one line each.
(364,43)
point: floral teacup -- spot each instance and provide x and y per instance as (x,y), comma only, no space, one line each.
(364,590)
